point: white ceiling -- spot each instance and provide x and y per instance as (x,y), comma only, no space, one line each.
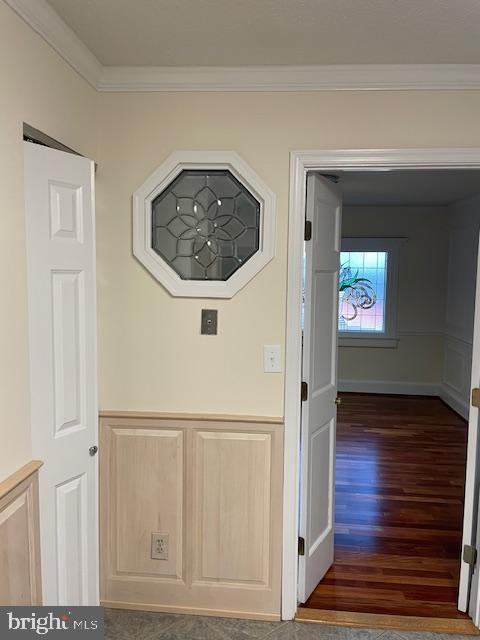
(276,32)
(408,188)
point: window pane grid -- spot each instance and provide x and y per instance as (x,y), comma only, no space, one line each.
(362,291)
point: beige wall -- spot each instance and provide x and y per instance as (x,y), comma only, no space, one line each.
(39,88)
(422,286)
(151,353)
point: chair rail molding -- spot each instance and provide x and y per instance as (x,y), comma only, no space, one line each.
(357,77)
(327,161)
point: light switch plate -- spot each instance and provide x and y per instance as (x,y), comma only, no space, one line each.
(209,322)
(272,358)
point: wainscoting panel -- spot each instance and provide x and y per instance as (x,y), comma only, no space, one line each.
(232,470)
(20,579)
(457,365)
(147,481)
(213,486)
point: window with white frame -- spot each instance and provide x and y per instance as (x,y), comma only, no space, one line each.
(368,292)
(204,224)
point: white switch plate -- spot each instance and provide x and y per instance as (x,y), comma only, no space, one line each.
(272,358)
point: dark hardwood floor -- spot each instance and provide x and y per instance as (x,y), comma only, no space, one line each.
(399,507)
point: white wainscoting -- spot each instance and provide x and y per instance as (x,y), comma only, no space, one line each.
(457,366)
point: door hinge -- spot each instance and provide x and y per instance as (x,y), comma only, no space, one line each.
(469,554)
(476,398)
(304,391)
(301,546)
(308,230)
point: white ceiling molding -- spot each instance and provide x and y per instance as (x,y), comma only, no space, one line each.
(45,21)
(281,78)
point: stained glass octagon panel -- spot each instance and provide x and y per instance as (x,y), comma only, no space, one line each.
(205,224)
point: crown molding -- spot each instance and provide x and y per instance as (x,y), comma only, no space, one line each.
(45,21)
(296,78)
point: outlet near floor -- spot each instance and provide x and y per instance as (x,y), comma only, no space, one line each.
(159,546)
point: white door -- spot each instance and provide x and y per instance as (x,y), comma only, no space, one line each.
(323,210)
(60,228)
(470,601)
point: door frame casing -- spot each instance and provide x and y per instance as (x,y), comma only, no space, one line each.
(301,162)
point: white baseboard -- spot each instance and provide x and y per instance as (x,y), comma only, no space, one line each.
(448,395)
(454,400)
(389,386)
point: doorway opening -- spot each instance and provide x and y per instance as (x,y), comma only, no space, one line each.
(404,384)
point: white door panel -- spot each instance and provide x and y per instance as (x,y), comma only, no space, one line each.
(469,594)
(322,263)
(62,317)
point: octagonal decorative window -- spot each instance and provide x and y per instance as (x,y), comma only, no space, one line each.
(204,224)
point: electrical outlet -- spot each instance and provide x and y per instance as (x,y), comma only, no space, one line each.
(159,546)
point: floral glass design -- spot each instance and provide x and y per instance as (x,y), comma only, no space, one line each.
(362,286)
(205,224)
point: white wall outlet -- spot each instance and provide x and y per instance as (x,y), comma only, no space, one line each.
(272,358)
(159,546)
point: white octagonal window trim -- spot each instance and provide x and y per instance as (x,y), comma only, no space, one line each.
(189,244)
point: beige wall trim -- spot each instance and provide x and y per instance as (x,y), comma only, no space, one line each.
(380,621)
(247,615)
(19,476)
(197,417)
(20,571)
(214,487)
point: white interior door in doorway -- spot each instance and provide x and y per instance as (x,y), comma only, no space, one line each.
(60,228)
(468,592)
(316,527)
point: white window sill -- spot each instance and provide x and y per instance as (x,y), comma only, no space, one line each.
(367,341)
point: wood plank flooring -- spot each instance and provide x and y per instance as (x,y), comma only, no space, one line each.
(399,508)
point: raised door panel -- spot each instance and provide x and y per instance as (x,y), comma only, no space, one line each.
(324,342)
(148,484)
(322,469)
(232,481)
(66,211)
(68,351)
(72,536)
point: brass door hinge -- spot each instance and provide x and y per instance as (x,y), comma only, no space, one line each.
(476,398)
(301,546)
(304,391)
(469,555)
(308,230)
